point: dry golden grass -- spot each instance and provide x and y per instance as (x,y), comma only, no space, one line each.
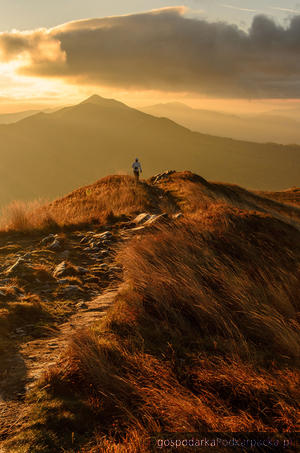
(26,216)
(193,193)
(290,196)
(114,195)
(218,260)
(203,337)
(117,197)
(110,198)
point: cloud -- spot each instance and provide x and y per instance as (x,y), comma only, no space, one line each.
(286,10)
(37,46)
(239,9)
(165,50)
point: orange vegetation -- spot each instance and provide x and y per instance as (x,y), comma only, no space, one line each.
(203,335)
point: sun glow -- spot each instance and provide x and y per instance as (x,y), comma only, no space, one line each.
(19,92)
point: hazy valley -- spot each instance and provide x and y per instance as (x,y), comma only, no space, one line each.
(274,126)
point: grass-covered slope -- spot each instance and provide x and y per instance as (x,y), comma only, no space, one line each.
(117,196)
(203,334)
(289,196)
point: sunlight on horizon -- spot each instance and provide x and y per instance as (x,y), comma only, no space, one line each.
(44,68)
(19,92)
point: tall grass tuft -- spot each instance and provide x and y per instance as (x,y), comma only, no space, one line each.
(26,216)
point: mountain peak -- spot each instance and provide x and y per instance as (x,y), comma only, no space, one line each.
(104,102)
(94,99)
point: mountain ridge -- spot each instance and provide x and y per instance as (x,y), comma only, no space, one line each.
(261,127)
(49,154)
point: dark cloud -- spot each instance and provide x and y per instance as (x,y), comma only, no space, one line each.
(39,46)
(164,50)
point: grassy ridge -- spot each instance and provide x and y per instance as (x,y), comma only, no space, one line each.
(110,198)
(115,197)
(204,336)
(290,196)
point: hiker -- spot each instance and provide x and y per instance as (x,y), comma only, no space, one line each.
(137,169)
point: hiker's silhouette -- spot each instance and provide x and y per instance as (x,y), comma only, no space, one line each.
(137,169)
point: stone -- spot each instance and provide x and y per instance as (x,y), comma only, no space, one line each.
(94,246)
(141,218)
(94,250)
(63,281)
(178,215)
(72,290)
(81,305)
(48,239)
(20,331)
(60,269)
(55,245)
(91,280)
(99,270)
(144,220)
(104,235)
(157,178)
(115,269)
(19,269)
(104,253)
(156,218)
(82,270)
(100,243)
(63,269)
(149,219)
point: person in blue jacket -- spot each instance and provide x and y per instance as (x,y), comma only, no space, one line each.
(137,169)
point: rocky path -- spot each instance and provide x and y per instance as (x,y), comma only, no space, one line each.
(95,250)
(69,291)
(88,270)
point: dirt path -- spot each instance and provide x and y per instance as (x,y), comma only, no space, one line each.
(35,357)
(38,356)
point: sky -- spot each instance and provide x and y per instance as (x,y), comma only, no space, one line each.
(235,55)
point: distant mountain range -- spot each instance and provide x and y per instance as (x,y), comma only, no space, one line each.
(49,154)
(280,126)
(9,118)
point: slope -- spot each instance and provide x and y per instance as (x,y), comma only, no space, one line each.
(274,126)
(119,197)
(7,118)
(202,336)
